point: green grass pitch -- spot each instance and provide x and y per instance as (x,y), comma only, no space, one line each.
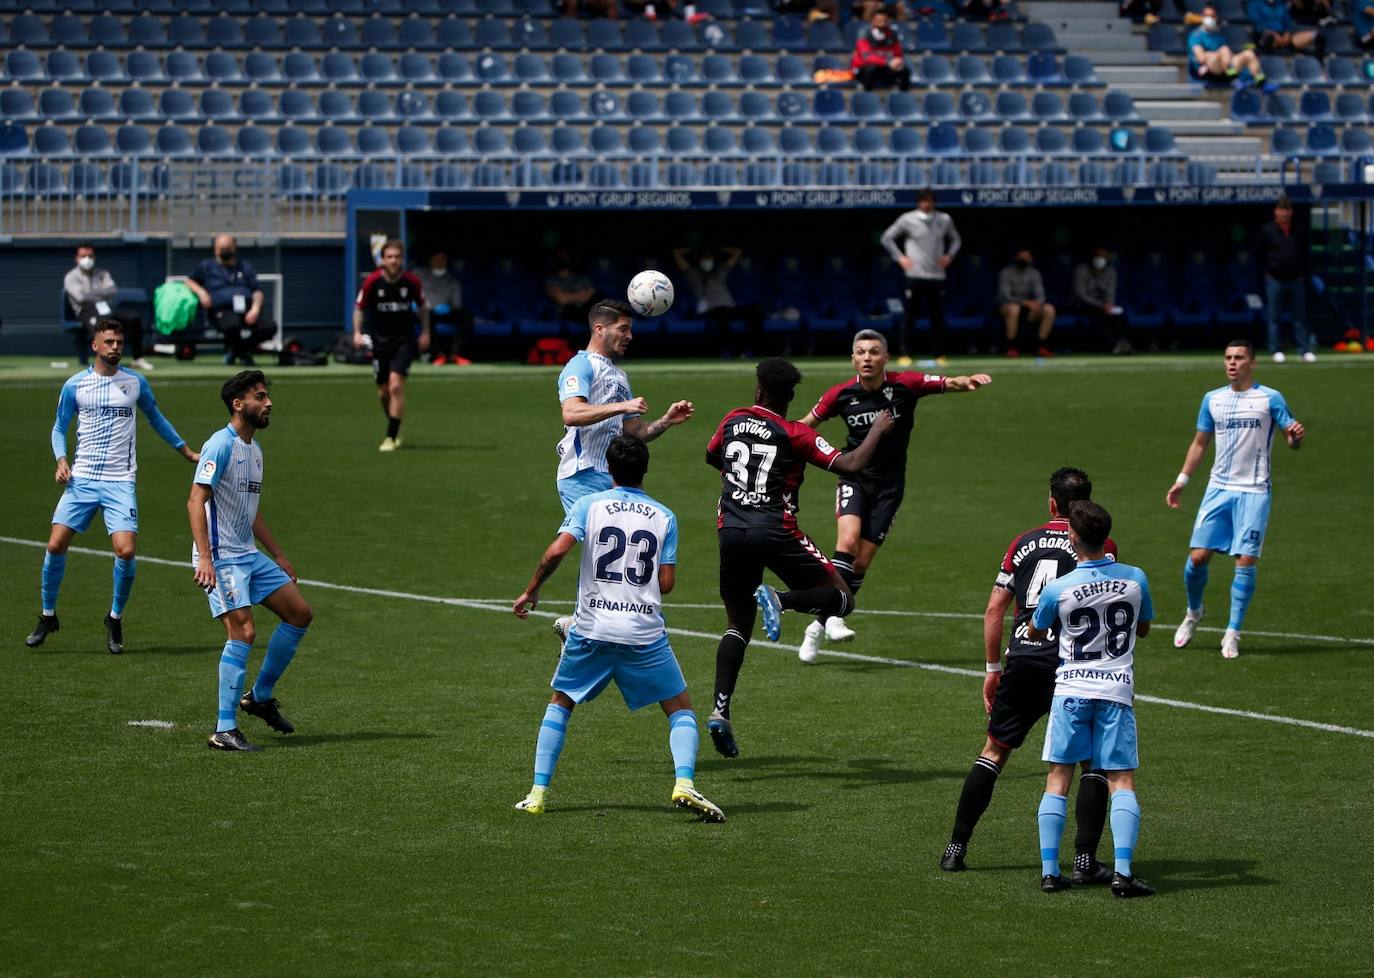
(380,838)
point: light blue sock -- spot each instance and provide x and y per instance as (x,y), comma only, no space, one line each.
(550,743)
(124,571)
(281,649)
(1242,590)
(1054,812)
(683,740)
(54,566)
(1195,580)
(233,663)
(1125,828)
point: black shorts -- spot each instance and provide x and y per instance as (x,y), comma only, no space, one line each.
(875,503)
(392,355)
(790,554)
(1024,695)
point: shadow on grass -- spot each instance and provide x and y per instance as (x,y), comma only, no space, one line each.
(746,808)
(356,737)
(1174,875)
(861,772)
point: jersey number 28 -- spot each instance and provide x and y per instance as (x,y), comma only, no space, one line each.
(638,568)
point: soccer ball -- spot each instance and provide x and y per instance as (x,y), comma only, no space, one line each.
(650,293)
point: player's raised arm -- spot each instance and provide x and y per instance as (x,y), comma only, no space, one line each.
(971,382)
(553,556)
(854,462)
(678,412)
(577,413)
(1196,449)
(147,403)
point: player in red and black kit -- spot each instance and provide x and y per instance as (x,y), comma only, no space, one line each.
(392,298)
(1016,699)
(762,458)
(866,504)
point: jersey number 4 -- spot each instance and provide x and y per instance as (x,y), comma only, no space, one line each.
(638,569)
(742,457)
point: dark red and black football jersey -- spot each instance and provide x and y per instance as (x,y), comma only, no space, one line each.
(1034,559)
(762,459)
(391,305)
(858,407)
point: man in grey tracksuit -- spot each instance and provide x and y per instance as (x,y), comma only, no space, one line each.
(929,243)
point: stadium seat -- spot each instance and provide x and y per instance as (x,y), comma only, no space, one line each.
(828,105)
(1159,141)
(46,179)
(451,141)
(1308,71)
(1357,142)
(217,105)
(1276,70)
(644,141)
(1344,71)
(938,105)
(173,140)
(1164,174)
(1014,141)
(330,179)
(1315,106)
(1246,106)
(795,141)
(336,106)
(379,69)
(97,104)
(1279,107)
(1199,174)
(935,70)
(1128,173)
(64,66)
(373,176)
(606,106)
(104,67)
(1094,175)
(1011,107)
(454,34)
(1048,108)
(489,141)
(1008,70)
(450,177)
(57,104)
(300,68)
(719,141)
(607,69)
(337,67)
(972,70)
(1050,141)
(68,30)
(131,140)
(264,33)
(177,103)
(1326,171)
(1078,70)
(1002,36)
(1088,142)
(16,104)
(975,107)
(1038,36)
(340,32)
(978,141)
(147,31)
(942,138)
(984,174)
(529,141)
(718,69)
(184,68)
(967,36)
(186,32)
(1286,142)
(683,141)
(222,68)
(1083,108)
(414,141)
(126,177)
(373,141)
(864,106)
(824,35)
(1119,107)
(1322,139)
(331,140)
(454,68)
(23,66)
(253,142)
(91,140)
(931,35)
(261,68)
(1042,67)
(1350,109)
(214,141)
(902,106)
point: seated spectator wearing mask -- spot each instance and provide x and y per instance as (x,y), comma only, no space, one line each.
(1364,25)
(90,293)
(877,60)
(228,291)
(1274,33)
(708,276)
(1209,57)
(1094,298)
(450,322)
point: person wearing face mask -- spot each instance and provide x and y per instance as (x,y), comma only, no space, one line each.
(1094,298)
(1363,17)
(877,60)
(1211,59)
(228,290)
(1021,297)
(929,242)
(708,276)
(90,293)
(1274,29)
(451,323)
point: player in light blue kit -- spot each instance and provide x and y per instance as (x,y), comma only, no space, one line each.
(223,509)
(1235,509)
(1098,609)
(597,405)
(629,561)
(102,398)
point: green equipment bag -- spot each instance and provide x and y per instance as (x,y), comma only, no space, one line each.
(174,307)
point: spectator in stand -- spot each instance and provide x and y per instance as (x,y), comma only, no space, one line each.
(983,9)
(1094,298)
(1283,255)
(877,61)
(450,323)
(90,290)
(1364,25)
(1274,34)
(1209,57)
(228,291)
(1021,296)
(592,8)
(707,272)
(865,9)
(1313,13)
(928,243)
(572,293)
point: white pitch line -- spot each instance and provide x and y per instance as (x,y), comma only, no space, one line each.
(503,607)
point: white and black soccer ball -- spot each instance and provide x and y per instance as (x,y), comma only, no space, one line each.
(650,293)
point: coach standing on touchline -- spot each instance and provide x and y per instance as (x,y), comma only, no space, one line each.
(929,244)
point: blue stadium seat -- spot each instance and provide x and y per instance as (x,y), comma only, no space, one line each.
(1322,139)
(108,31)
(1339,39)
(564,173)
(1051,142)
(300,68)
(942,138)
(935,70)
(262,68)
(719,141)
(58,104)
(1011,107)
(147,31)
(718,69)
(225,32)
(1200,174)
(1326,171)
(127,178)
(603,175)
(1083,108)
(1246,106)
(644,141)
(131,140)
(330,179)
(16,104)
(1056,174)
(975,107)
(373,141)
(414,141)
(46,179)
(677,35)
(379,69)
(1315,106)
(144,67)
(1118,106)
(1078,70)
(173,140)
(605,106)
(567,140)
(253,142)
(340,32)
(23,66)
(967,36)
(1159,141)
(1014,141)
(682,141)
(757,107)
(490,68)
(568,69)
(972,70)
(757,141)
(104,67)
(296,105)
(412,177)
(451,141)
(946,173)
(413,106)
(1048,108)
(938,105)
(643,35)
(902,106)
(91,140)
(720,175)
(373,176)
(29,30)
(454,68)
(1042,67)
(1164,173)
(184,68)
(186,32)
(529,141)
(1003,37)
(978,141)
(14,140)
(1088,142)
(566,32)
(643,175)
(608,69)
(606,141)
(333,140)
(303,33)
(831,141)
(605,35)
(263,33)
(794,107)
(1279,107)
(1276,70)
(97,104)
(1286,142)
(931,35)
(529,106)
(1094,175)
(217,105)
(795,141)
(177,103)
(866,107)
(1008,70)
(379,32)
(338,67)
(566,106)
(1356,142)
(677,70)
(449,177)
(984,174)
(796,174)
(222,68)
(490,106)
(416,69)
(788,33)
(824,35)
(1167,39)
(336,105)
(1128,173)
(214,141)
(1308,71)
(488,141)
(828,105)
(1037,36)
(531,69)
(1344,71)
(454,34)
(417,33)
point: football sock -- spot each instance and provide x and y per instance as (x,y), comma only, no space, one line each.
(1054,812)
(124,571)
(974,799)
(1242,590)
(823,602)
(233,663)
(683,740)
(1195,580)
(281,649)
(729,662)
(1125,828)
(54,566)
(393,426)
(550,743)
(844,565)
(1090,814)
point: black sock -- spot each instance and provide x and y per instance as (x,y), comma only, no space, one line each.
(1090,812)
(974,799)
(393,426)
(823,602)
(844,565)
(729,662)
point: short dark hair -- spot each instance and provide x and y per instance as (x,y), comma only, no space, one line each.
(608,311)
(1090,523)
(628,459)
(926,194)
(1283,203)
(107,325)
(1249,346)
(239,384)
(390,243)
(778,378)
(84,244)
(1068,485)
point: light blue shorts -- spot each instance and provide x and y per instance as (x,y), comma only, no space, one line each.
(243,582)
(644,674)
(580,484)
(83,497)
(1101,731)
(1232,522)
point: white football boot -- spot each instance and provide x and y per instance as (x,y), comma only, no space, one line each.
(1184,634)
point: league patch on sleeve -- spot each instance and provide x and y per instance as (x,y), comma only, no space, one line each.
(207,469)
(824,445)
(572,383)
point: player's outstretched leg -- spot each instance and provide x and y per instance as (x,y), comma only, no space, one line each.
(259,701)
(836,629)
(1242,590)
(824,602)
(1090,815)
(767,598)
(1054,812)
(729,662)
(1125,831)
(973,802)
(1194,582)
(547,748)
(683,741)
